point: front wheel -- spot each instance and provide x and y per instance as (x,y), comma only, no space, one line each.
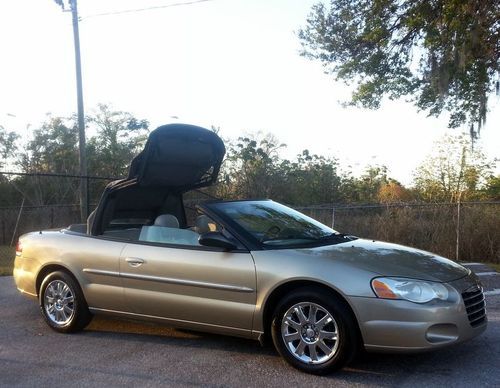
(314,331)
(63,304)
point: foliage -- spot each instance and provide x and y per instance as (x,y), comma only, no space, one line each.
(254,168)
(54,149)
(453,171)
(310,178)
(7,145)
(60,3)
(120,136)
(250,168)
(393,192)
(365,189)
(54,146)
(492,188)
(443,53)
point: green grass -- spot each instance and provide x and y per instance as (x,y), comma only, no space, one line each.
(7,256)
(496,266)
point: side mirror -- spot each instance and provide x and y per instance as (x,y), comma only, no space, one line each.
(216,239)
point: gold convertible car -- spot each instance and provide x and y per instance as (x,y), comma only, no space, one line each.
(252,268)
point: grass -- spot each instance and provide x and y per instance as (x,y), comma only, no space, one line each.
(7,256)
(496,266)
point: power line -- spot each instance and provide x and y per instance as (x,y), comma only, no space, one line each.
(192,2)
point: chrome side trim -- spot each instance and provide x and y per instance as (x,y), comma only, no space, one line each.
(101,272)
(181,282)
(184,282)
(26,292)
(173,321)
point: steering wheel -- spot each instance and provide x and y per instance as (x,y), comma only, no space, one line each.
(271,233)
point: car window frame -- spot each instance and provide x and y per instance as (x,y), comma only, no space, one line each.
(250,241)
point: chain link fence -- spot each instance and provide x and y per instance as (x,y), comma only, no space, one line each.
(33,201)
(465,232)
(462,232)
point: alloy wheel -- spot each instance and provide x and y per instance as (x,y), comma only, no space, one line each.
(310,333)
(59,302)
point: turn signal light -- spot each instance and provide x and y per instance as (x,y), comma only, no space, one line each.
(382,290)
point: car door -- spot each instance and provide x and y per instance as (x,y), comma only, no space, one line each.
(190,285)
(96,260)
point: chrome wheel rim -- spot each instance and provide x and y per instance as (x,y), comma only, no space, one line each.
(310,333)
(59,302)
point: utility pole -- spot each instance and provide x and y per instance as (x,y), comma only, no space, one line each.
(84,200)
(84,193)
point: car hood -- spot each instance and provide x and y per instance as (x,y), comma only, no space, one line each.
(392,260)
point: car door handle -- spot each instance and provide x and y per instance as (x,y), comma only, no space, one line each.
(134,261)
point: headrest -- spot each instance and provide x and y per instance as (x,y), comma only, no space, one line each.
(202,224)
(167,220)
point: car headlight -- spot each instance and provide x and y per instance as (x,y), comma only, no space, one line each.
(417,291)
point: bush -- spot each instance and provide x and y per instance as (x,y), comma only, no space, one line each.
(431,227)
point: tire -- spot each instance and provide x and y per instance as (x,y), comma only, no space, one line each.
(321,334)
(63,304)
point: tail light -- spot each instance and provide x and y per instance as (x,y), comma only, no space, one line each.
(19,248)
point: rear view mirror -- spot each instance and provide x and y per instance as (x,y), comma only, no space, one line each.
(216,239)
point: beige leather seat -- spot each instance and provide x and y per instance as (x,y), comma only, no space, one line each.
(166,230)
(167,220)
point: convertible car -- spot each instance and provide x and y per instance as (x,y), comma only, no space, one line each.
(249,268)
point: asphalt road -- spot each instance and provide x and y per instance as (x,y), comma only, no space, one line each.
(117,353)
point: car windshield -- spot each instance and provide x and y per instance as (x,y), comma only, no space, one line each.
(274,224)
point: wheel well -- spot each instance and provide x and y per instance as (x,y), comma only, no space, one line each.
(49,269)
(280,292)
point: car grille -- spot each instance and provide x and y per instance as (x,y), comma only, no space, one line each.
(475,306)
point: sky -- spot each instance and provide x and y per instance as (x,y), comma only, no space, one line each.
(233,64)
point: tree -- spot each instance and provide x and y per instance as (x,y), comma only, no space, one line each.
(393,192)
(453,171)
(7,149)
(364,189)
(7,145)
(492,188)
(251,168)
(53,148)
(310,179)
(443,54)
(119,137)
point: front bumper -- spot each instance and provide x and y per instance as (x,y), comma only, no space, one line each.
(402,326)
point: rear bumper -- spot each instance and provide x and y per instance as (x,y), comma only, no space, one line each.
(25,276)
(401,326)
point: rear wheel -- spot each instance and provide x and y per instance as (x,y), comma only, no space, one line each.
(314,331)
(62,303)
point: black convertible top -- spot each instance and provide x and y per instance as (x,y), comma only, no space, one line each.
(176,158)
(179,156)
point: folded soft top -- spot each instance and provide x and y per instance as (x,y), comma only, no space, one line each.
(176,158)
(179,156)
